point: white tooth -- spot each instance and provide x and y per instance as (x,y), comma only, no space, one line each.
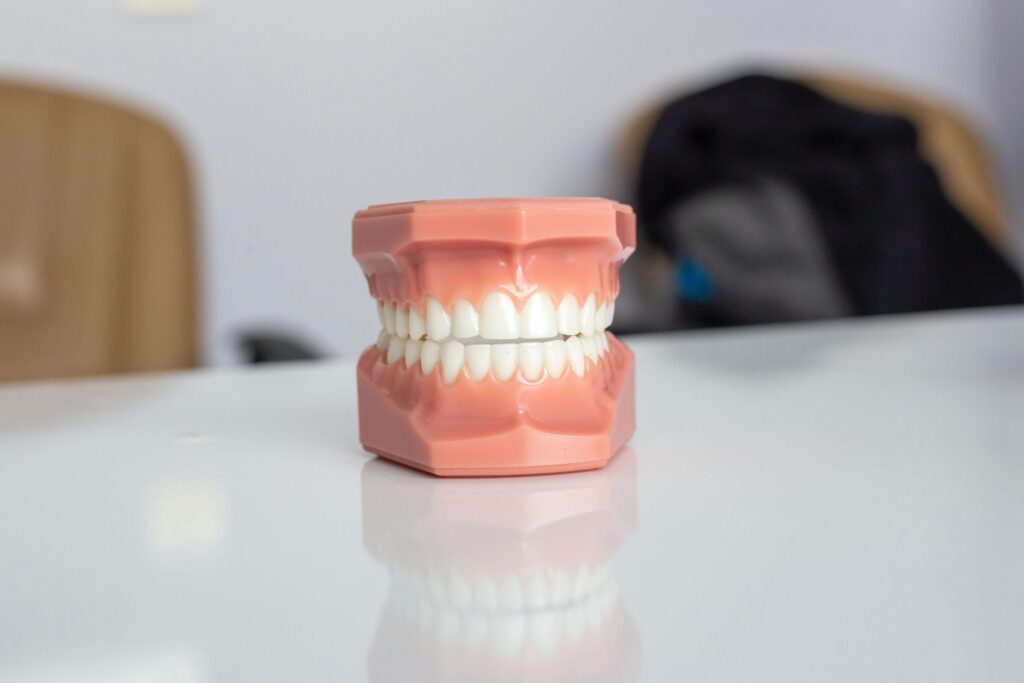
(555,357)
(590,348)
(575,620)
(561,588)
(436,587)
(569,316)
(544,630)
(439,323)
(401,321)
(574,349)
(498,317)
(396,349)
(581,583)
(412,352)
(478,360)
(535,593)
(510,594)
(461,592)
(599,317)
(609,315)
(382,340)
(389,318)
(508,634)
(447,625)
(538,319)
(380,314)
(602,343)
(417,325)
(474,630)
(503,360)
(587,315)
(429,355)
(531,360)
(485,595)
(452,355)
(465,322)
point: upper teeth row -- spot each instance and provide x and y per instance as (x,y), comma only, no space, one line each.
(497,318)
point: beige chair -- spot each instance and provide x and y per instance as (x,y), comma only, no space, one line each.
(947,141)
(96,239)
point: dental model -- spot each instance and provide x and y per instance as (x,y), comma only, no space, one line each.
(494,356)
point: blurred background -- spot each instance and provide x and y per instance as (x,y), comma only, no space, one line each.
(178,177)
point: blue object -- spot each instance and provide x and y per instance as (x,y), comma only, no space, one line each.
(693,282)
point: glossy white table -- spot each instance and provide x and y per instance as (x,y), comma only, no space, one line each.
(840,502)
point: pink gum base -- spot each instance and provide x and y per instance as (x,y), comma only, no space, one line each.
(492,428)
(471,272)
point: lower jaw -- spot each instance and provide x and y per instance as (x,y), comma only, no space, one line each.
(493,428)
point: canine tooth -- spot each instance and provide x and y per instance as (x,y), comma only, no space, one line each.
(590,348)
(498,317)
(382,340)
(510,594)
(429,355)
(569,315)
(538,319)
(396,349)
(531,360)
(599,317)
(401,321)
(413,348)
(555,357)
(478,360)
(417,325)
(439,323)
(587,315)
(574,350)
(452,355)
(465,321)
(503,360)
(389,318)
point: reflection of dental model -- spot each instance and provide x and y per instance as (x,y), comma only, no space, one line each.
(494,357)
(501,580)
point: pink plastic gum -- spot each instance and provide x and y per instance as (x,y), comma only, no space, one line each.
(452,250)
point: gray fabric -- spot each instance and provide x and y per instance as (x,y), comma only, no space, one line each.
(760,245)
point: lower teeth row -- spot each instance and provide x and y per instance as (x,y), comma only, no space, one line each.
(531,359)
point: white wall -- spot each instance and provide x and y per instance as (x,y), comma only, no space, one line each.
(299,113)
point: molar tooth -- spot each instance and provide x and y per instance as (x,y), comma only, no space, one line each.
(439,323)
(599,318)
(401,321)
(531,360)
(429,355)
(382,340)
(555,356)
(569,315)
(396,349)
(590,348)
(503,360)
(389,318)
(538,319)
(465,321)
(478,360)
(498,318)
(574,349)
(587,315)
(413,349)
(452,355)
(417,325)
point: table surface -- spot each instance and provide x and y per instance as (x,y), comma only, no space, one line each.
(832,501)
